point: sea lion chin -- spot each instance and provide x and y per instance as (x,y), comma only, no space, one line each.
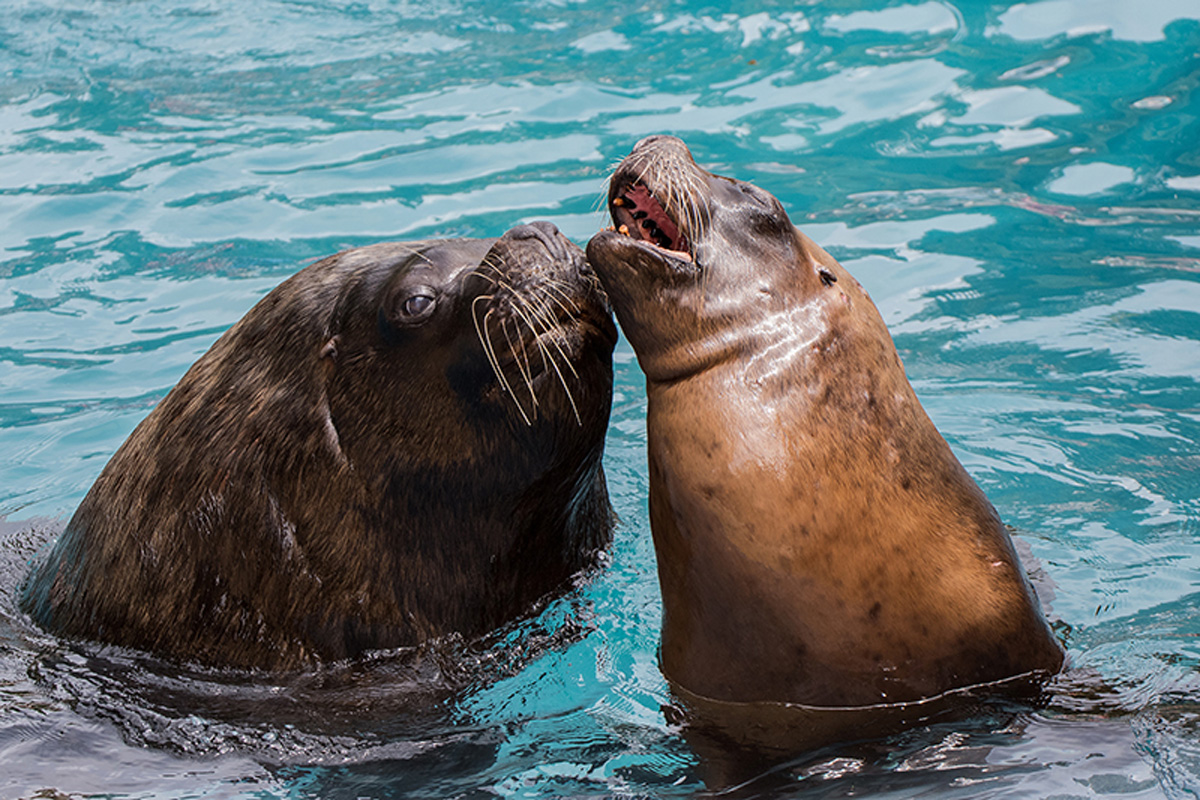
(818,543)
(398,442)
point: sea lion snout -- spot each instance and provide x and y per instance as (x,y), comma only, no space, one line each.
(545,232)
(558,247)
(663,144)
(543,254)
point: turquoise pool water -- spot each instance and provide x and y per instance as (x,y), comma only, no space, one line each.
(1017,185)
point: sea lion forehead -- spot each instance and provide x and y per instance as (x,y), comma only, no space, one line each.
(445,259)
(377,276)
(440,256)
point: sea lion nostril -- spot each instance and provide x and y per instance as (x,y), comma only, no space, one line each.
(547,233)
(650,141)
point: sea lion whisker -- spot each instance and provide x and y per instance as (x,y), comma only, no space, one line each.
(528,369)
(549,361)
(521,359)
(554,340)
(494,263)
(523,308)
(543,308)
(537,315)
(542,324)
(489,271)
(563,381)
(478,273)
(502,281)
(602,196)
(557,290)
(540,321)
(475,310)
(522,369)
(481,329)
(500,372)
(484,341)
(678,198)
(691,214)
(641,178)
(540,310)
(545,328)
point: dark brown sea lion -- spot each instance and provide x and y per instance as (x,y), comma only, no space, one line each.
(398,442)
(818,543)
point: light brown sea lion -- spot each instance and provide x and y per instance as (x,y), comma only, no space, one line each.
(818,543)
(398,442)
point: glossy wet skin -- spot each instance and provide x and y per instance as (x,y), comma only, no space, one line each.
(817,540)
(399,442)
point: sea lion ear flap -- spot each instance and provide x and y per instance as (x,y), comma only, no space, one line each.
(328,355)
(329,350)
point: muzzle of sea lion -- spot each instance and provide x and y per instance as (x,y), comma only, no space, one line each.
(659,196)
(541,309)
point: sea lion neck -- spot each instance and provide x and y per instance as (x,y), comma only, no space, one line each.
(684,318)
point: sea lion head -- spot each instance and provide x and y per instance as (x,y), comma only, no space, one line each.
(477,341)
(692,255)
(471,380)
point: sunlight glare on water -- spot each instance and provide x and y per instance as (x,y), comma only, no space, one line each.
(1016,184)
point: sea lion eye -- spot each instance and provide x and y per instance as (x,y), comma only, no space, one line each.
(418,305)
(411,308)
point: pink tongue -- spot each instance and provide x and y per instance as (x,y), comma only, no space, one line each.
(642,200)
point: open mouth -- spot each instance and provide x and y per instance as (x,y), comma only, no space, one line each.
(637,213)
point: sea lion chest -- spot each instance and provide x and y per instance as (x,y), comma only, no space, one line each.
(806,511)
